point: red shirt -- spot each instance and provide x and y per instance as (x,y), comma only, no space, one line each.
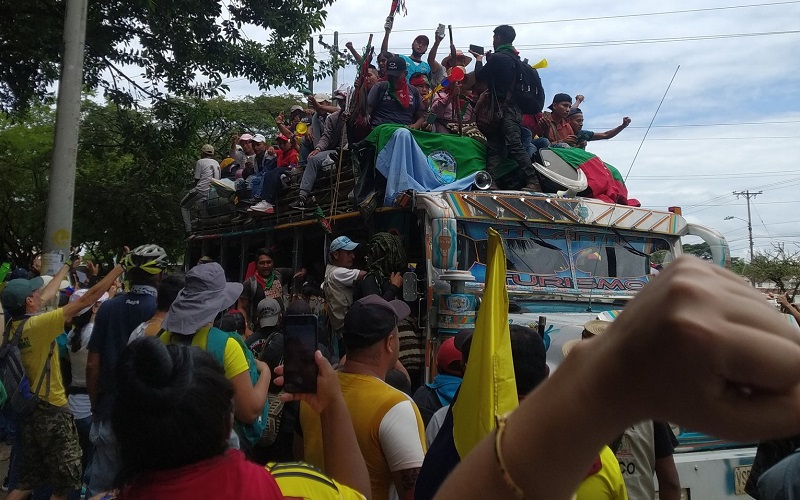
(227,476)
(286,158)
(557,131)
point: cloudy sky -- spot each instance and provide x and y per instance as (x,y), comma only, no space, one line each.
(729,122)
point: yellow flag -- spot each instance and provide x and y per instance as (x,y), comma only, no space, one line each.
(489,389)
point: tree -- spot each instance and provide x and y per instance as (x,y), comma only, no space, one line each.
(134,165)
(143,49)
(777,266)
(25,148)
(701,250)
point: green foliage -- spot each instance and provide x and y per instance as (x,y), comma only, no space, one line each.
(701,250)
(776,266)
(133,168)
(738,265)
(178,47)
(25,148)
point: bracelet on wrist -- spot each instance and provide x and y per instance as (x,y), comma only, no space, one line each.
(498,437)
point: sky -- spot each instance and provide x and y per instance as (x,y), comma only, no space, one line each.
(729,121)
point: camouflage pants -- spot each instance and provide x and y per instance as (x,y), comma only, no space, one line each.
(51,453)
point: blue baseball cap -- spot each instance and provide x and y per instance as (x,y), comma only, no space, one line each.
(342,243)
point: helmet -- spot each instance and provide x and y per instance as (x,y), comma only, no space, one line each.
(149,258)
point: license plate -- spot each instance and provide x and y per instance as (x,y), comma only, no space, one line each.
(740,475)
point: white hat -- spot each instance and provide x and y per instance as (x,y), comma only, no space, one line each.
(322,96)
(259,138)
(268,312)
(80,293)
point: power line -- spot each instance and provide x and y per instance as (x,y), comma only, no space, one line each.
(637,41)
(697,138)
(715,176)
(595,18)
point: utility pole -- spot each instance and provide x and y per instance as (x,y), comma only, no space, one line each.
(335,76)
(749,194)
(311,59)
(61,197)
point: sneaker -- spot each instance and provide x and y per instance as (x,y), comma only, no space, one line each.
(300,204)
(262,206)
(533,186)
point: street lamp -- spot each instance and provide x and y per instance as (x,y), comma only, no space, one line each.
(750,233)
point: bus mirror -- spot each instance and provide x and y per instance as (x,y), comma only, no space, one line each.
(410,286)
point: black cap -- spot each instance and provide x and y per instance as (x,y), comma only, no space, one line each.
(560,98)
(395,66)
(371,320)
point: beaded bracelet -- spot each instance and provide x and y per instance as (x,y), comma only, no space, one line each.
(498,436)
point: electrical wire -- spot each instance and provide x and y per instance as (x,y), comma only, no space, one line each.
(594,18)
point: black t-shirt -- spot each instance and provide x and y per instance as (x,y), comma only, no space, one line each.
(428,403)
(441,459)
(385,109)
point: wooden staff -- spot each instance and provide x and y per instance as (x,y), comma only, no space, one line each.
(457,96)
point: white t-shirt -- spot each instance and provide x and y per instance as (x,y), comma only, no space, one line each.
(338,291)
(435,423)
(204,170)
(79,404)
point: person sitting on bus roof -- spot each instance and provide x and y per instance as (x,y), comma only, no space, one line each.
(554,123)
(582,136)
(273,178)
(205,169)
(334,138)
(395,101)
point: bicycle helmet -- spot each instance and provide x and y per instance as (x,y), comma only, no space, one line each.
(149,258)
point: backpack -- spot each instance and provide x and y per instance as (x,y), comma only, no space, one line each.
(528,92)
(14,381)
(250,434)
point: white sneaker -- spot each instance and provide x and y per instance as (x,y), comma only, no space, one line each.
(262,206)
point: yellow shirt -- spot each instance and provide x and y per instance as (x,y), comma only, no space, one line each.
(38,333)
(607,483)
(388,427)
(235,361)
(303,481)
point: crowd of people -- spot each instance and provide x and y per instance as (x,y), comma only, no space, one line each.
(436,96)
(171,386)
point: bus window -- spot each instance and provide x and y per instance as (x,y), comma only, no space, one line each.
(618,256)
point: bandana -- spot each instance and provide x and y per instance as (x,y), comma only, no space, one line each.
(507,47)
(398,89)
(419,80)
(265,284)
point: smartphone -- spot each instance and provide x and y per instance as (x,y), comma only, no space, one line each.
(476,48)
(299,344)
(440,31)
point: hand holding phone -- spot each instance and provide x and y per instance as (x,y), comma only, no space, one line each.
(328,390)
(476,49)
(299,347)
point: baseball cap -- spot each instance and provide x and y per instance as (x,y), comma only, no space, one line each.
(245,137)
(207,149)
(342,243)
(322,96)
(574,111)
(395,66)
(448,359)
(423,38)
(295,108)
(268,312)
(372,319)
(80,293)
(561,97)
(259,138)
(17,290)
(282,138)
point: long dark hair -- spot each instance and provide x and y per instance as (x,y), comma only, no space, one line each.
(78,324)
(173,408)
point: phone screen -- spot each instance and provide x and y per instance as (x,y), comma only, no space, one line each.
(476,48)
(300,342)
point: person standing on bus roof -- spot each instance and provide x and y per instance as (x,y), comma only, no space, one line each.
(266,282)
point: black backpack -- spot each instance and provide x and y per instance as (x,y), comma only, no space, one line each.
(528,91)
(13,377)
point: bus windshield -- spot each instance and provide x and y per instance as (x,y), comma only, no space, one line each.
(571,258)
